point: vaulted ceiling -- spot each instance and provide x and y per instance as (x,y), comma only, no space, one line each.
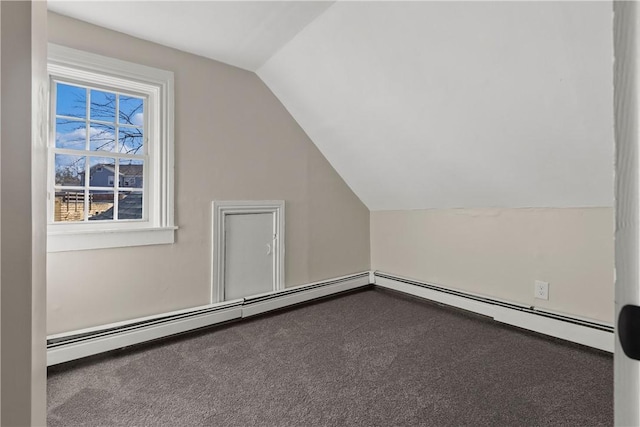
(420,104)
(240,33)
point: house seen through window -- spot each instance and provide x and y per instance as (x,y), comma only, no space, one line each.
(99,154)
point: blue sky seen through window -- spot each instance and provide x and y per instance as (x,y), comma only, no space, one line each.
(71,122)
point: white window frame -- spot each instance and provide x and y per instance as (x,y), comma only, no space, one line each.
(157,227)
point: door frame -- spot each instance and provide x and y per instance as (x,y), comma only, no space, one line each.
(627,200)
(220,210)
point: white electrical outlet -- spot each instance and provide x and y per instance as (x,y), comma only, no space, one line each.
(541,290)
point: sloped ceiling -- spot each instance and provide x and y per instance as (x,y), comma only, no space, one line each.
(240,33)
(426,104)
(435,104)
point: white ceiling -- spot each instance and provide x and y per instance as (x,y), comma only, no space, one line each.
(437,105)
(421,104)
(240,33)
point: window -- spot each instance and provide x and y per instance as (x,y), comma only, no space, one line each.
(110,152)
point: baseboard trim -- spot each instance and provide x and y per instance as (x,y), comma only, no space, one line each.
(582,331)
(78,346)
(87,342)
(280,299)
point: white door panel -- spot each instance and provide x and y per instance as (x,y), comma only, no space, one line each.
(249,255)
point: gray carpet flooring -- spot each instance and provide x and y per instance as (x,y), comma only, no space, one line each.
(369,358)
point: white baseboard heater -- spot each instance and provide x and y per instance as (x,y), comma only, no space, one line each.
(582,331)
(78,344)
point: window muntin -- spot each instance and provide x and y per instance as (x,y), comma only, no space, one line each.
(86,129)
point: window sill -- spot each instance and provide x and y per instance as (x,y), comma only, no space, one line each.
(64,241)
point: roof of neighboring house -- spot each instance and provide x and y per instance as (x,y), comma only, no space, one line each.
(131,170)
(125,170)
(129,207)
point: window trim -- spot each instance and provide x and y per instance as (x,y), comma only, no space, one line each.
(86,68)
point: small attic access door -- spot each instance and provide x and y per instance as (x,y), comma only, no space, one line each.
(247,248)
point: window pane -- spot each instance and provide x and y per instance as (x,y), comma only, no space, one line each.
(102,171)
(103,106)
(69,170)
(131,173)
(130,140)
(69,206)
(131,111)
(71,101)
(102,137)
(130,205)
(100,205)
(71,134)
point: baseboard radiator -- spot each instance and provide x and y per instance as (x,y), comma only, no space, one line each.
(582,331)
(78,344)
(87,342)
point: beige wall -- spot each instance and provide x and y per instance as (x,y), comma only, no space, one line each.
(23,211)
(233,140)
(500,252)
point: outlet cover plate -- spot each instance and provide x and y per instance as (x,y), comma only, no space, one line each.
(541,290)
